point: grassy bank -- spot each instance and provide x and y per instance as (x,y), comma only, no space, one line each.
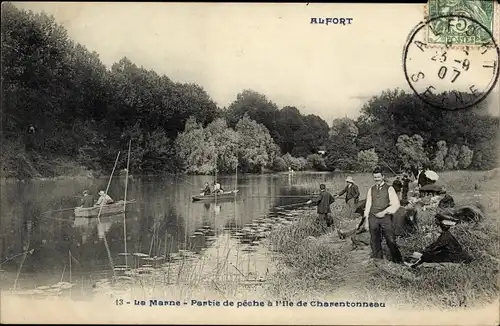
(316,263)
(18,163)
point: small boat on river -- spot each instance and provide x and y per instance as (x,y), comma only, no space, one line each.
(226,195)
(109,209)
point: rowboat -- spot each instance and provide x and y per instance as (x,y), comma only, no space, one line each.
(109,209)
(224,196)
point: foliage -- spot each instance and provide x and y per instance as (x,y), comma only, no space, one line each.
(293,132)
(393,113)
(341,153)
(279,164)
(296,163)
(439,156)
(344,127)
(451,160)
(368,159)
(217,146)
(194,150)
(256,147)
(412,150)
(465,157)
(84,112)
(316,162)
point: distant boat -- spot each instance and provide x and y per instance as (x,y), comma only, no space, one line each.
(212,197)
(109,209)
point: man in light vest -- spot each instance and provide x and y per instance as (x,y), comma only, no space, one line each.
(382,202)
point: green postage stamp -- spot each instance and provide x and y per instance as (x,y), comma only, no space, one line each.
(464,31)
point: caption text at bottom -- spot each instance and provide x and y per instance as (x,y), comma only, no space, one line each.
(249,303)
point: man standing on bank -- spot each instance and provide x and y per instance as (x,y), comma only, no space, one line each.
(381,203)
(323,201)
(351,192)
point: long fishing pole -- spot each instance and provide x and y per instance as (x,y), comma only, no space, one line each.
(388,166)
(99,215)
(285,196)
(22,253)
(124,205)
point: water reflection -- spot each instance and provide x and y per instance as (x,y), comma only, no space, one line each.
(162,221)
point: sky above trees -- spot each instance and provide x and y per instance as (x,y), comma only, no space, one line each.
(273,49)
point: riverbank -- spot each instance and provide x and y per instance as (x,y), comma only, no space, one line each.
(20,164)
(317,263)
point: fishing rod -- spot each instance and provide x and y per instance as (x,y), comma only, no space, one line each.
(285,196)
(292,196)
(22,253)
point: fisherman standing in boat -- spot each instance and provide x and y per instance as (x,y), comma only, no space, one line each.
(104,199)
(87,200)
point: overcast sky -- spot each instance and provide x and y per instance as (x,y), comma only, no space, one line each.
(270,48)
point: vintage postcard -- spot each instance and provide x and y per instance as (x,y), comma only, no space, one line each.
(250,163)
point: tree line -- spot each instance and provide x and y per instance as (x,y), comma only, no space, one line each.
(62,107)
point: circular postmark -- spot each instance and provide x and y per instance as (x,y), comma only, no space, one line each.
(452,76)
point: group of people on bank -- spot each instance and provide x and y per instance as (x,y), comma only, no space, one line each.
(384,217)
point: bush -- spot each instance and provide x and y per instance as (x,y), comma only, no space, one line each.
(279,165)
(316,162)
(296,163)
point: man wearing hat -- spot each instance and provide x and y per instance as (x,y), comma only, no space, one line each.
(445,249)
(351,192)
(104,198)
(87,200)
(323,201)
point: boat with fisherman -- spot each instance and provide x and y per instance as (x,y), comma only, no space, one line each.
(226,195)
(216,193)
(107,209)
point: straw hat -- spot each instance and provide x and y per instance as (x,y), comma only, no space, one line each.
(349,179)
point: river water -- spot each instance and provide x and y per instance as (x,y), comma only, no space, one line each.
(163,220)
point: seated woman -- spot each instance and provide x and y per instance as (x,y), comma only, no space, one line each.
(446,249)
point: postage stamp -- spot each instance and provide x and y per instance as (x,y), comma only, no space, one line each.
(447,77)
(463,33)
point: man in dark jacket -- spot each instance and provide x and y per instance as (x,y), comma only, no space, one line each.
(351,192)
(87,200)
(323,201)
